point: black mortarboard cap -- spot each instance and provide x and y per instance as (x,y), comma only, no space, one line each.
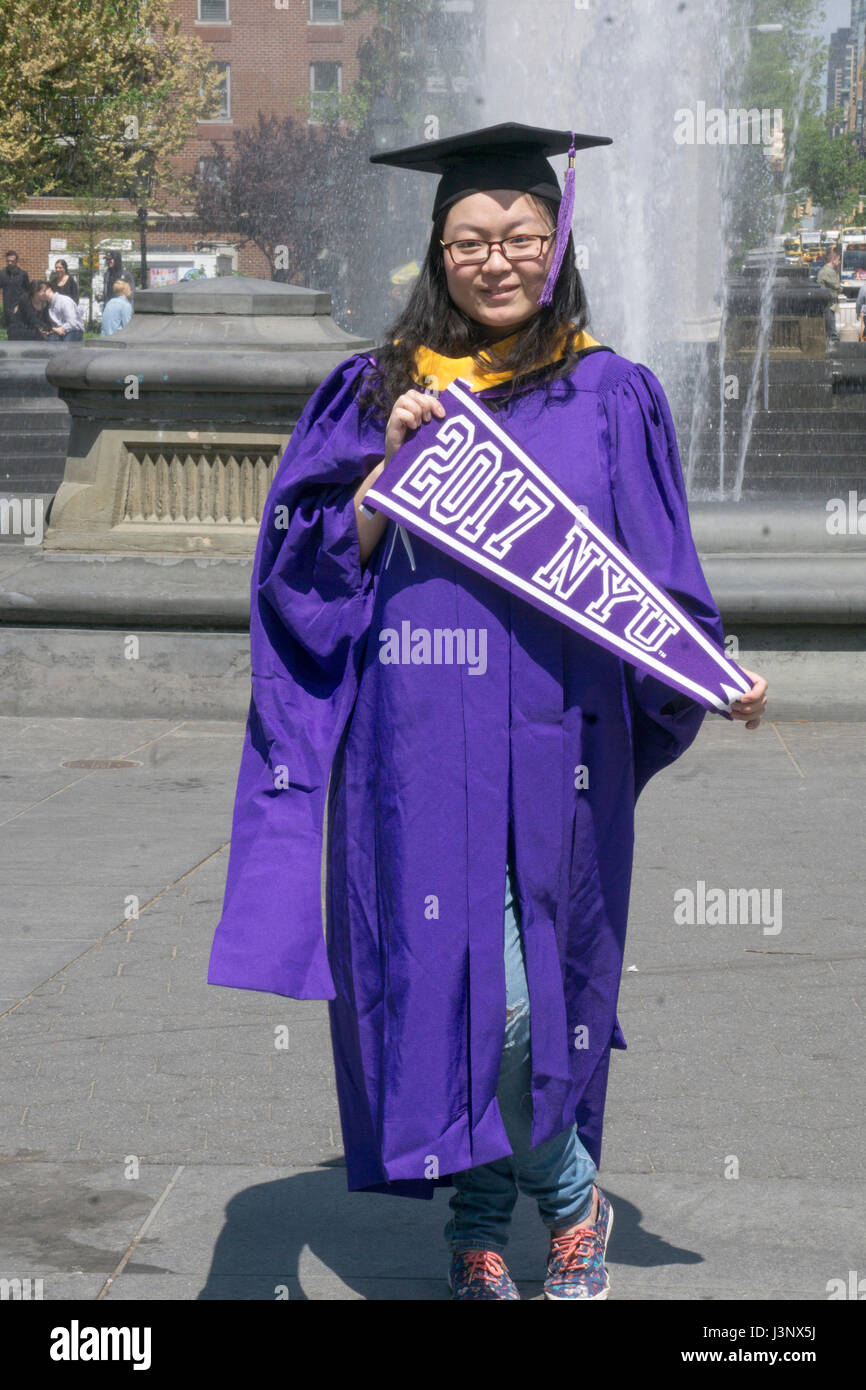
(491,158)
(509,155)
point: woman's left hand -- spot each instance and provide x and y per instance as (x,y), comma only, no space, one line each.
(751,706)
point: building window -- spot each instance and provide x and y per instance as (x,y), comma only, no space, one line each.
(326,84)
(224,112)
(213,11)
(211,170)
(325,12)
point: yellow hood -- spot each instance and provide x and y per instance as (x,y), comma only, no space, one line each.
(432,369)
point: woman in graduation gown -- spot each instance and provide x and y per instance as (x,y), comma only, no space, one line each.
(480,813)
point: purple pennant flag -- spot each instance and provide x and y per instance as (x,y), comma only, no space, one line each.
(463,484)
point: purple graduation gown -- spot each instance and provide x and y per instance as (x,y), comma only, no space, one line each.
(427,762)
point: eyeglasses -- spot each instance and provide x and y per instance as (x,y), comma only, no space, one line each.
(513,248)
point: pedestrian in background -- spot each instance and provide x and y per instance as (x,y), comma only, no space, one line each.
(860,311)
(66,317)
(14,282)
(118,310)
(63,282)
(113,272)
(30,321)
(828,277)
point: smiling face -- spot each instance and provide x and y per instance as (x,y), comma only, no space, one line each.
(497,293)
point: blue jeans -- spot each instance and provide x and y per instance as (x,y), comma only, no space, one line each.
(558,1174)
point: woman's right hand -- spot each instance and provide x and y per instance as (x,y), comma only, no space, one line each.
(410,410)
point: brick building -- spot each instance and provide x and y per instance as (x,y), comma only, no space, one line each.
(280,57)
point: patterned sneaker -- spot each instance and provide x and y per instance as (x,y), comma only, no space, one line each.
(575,1266)
(480,1274)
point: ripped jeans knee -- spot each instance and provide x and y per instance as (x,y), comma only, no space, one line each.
(516,1024)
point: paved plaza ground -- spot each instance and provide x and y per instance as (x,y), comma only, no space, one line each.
(734,1136)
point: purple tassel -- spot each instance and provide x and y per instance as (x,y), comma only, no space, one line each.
(563,228)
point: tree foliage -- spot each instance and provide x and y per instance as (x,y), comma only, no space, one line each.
(284,188)
(830,167)
(788,71)
(97,96)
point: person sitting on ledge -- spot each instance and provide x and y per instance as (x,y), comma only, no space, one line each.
(118,310)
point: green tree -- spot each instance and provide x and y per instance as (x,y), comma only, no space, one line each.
(98,97)
(778,71)
(829,167)
(284,189)
(257,190)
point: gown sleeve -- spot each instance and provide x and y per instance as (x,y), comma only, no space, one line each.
(652,526)
(310,609)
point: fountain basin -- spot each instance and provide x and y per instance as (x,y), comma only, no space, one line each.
(180,420)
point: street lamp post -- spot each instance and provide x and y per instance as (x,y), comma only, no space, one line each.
(141,187)
(141,216)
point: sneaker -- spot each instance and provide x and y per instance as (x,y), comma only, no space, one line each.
(480,1274)
(575,1265)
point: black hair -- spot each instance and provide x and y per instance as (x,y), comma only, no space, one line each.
(60,261)
(431,319)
